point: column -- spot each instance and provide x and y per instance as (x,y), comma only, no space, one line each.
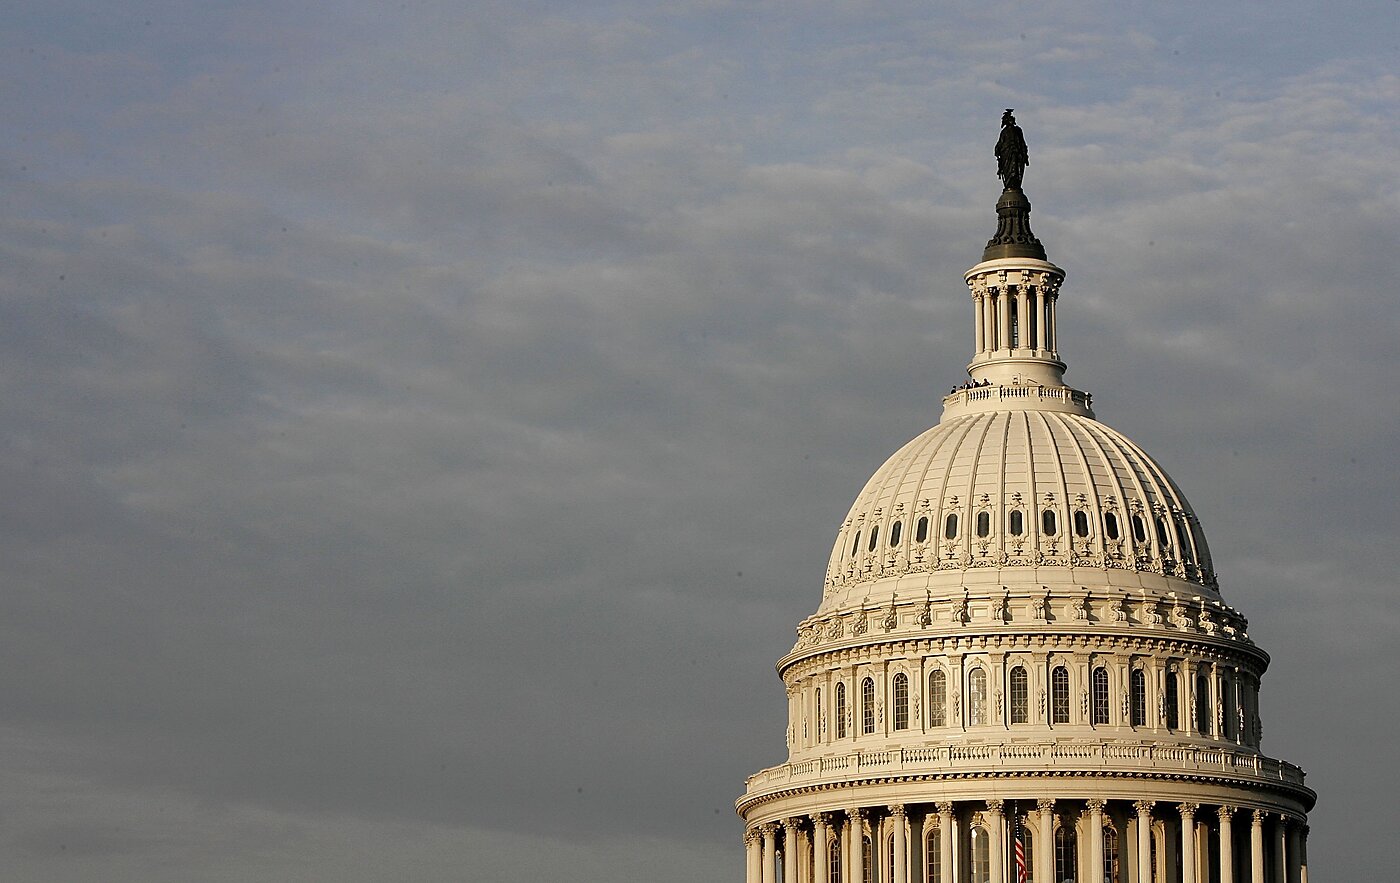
(1188,841)
(900,871)
(1144,840)
(1295,854)
(1227,844)
(1040,317)
(996,832)
(946,836)
(770,831)
(1095,842)
(978,323)
(1051,332)
(1003,319)
(1044,857)
(790,850)
(989,321)
(855,831)
(1303,855)
(753,847)
(1256,848)
(1279,841)
(821,847)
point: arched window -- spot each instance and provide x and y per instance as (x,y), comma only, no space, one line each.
(867,706)
(1081,523)
(874,538)
(867,861)
(1064,853)
(901,701)
(977,698)
(833,860)
(1017,524)
(1202,705)
(984,523)
(894,533)
(1173,700)
(1100,685)
(933,850)
(921,530)
(1110,525)
(937,698)
(840,711)
(1164,533)
(1047,523)
(1110,855)
(1139,529)
(1059,695)
(1227,700)
(855,546)
(981,855)
(950,526)
(821,721)
(1138,688)
(1020,696)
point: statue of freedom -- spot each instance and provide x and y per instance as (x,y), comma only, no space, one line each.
(1012,156)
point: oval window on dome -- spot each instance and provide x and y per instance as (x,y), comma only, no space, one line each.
(1163,533)
(1110,525)
(984,523)
(1047,523)
(855,546)
(921,530)
(950,526)
(1018,524)
(874,537)
(1139,529)
(894,533)
(1081,523)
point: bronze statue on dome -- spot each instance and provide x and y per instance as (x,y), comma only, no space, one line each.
(1012,156)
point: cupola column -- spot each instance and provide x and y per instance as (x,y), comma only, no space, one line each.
(900,871)
(979,320)
(1095,839)
(1040,343)
(1188,842)
(1144,841)
(753,845)
(790,850)
(1044,857)
(1003,320)
(996,833)
(947,835)
(821,847)
(1023,324)
(1256,848)
(770,832)
(1227,844)
(1280,847)
(855,833)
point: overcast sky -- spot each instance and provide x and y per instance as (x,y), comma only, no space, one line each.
(423,424)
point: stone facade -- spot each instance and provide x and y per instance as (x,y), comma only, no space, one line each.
(1022,663)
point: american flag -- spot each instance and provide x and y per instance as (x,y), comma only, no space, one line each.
(1020,849)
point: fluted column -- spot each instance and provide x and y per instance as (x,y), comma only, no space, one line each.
(978,323)
(855,831)
(770,832)
(1295,854)
(753,848)
(1022,318)
(1040,317)
(1044,857)
(790,850)
(1227,844)
(900,871)
(821,847)
(1095,842)
(1188,841)
(1256,848)
(996,833)
(1003,320)
(1279,843)
(989,322)
(1144,840)
(946,836)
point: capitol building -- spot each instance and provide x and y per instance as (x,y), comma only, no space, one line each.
(1023,667)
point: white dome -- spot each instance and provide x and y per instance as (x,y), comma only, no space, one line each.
(1019,489)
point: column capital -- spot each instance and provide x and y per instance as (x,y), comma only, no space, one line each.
(791,823)
(994,807)
(825,819)
(897,810)
(1226,813)
(752,835)
(1096,805)
(1144,807)
(945,807)
(1045,804)
(769,829)
(855,814)
(1188,810)
(1259,816)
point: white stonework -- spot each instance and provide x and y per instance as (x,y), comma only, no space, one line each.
(1021,640)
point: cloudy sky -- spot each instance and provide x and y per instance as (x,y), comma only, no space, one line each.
(422,424)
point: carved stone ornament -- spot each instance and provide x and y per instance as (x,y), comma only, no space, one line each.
(891,619)
(960,611)
(957,705)
(996,704)
(835,628)
(862,624)
(926,615)
(1039,607)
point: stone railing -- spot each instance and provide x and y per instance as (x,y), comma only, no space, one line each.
(1039,757)
(1005,393)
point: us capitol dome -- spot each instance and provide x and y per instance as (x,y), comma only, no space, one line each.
(1022,668)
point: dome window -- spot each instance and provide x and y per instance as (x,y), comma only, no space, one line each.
(1138,684)
(937,698)
(1164,536)
(1099,680)
(1110,525)
(1202,705)
(1018,523)
(977,698)
(874,537)
(1020,696)
(840,711)
(901,701)
(894,533)
(1172,699)
(867,706)
(855,546)
(921,530)
(950,526)
(984,523)
(1059,695)
(1081,523)
(1139,529)
(1047,523)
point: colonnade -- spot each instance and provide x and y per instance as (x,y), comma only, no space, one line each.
(1142,841)
(1014,317)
